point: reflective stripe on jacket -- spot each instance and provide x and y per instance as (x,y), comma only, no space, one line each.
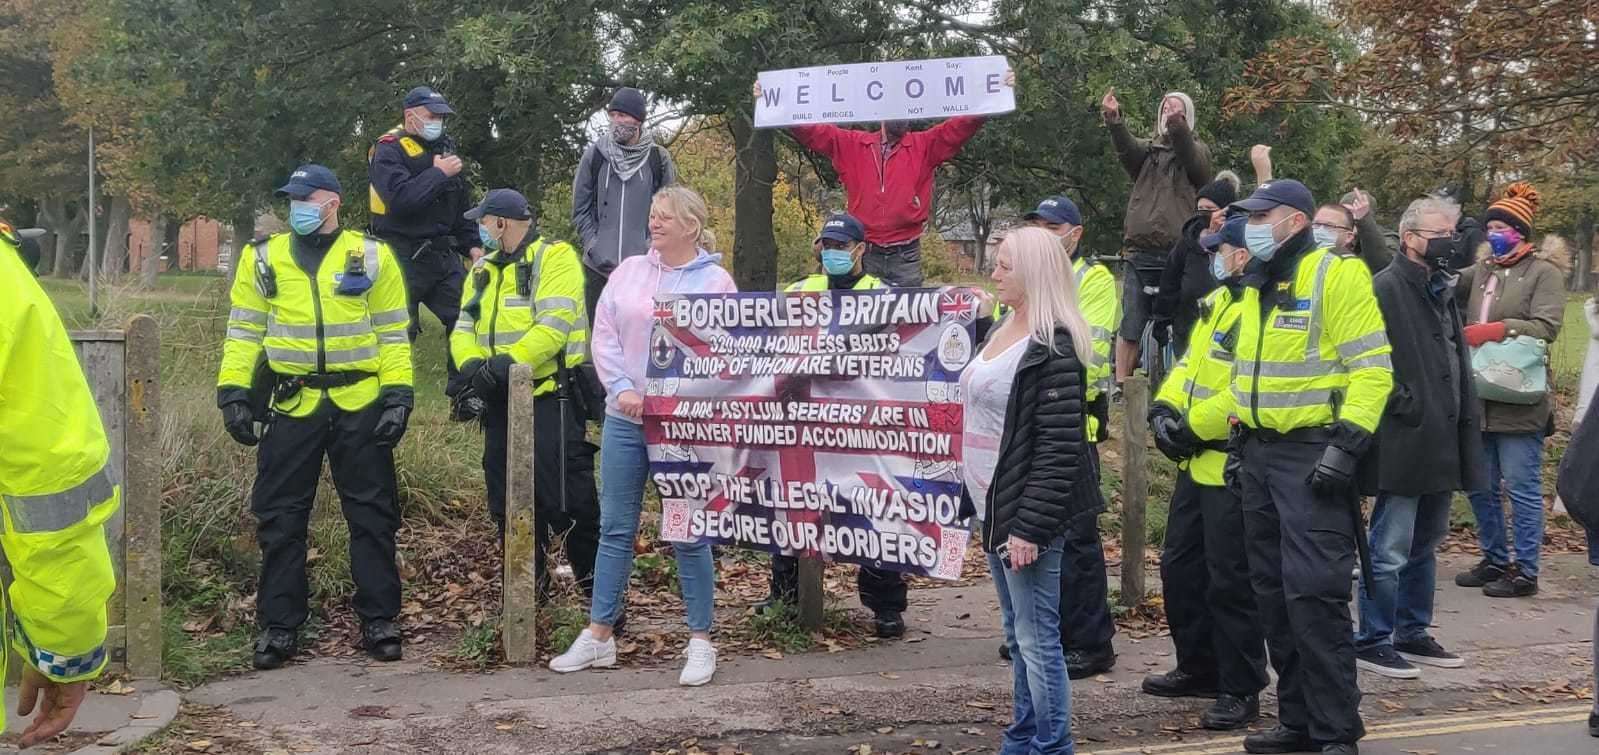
(1199,387)
(307,327)
(1318,356)
(56,488)
(535,327)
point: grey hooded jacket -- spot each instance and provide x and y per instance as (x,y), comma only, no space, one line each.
(611,215)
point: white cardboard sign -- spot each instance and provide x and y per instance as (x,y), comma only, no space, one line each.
(896,90)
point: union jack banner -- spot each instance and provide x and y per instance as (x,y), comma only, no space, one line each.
(815,424)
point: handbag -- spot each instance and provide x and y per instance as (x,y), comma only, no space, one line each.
(1513,371)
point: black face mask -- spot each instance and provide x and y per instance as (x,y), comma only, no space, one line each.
(1438,252)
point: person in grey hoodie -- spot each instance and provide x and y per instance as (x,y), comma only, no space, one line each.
(619,174)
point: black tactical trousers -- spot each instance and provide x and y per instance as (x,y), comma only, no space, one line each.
(1210,604)
(1085,622)
(288,466)
(434,278)
(1301,551)
(881,589)
(578,520)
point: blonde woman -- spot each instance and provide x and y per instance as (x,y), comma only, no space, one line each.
(1030,471)
(676,264)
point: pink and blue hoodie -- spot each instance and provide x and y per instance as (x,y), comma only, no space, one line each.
(626,311)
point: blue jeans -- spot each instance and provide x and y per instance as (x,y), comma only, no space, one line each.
(1516,458)
(1029,599)
(1405,534)
(624,467)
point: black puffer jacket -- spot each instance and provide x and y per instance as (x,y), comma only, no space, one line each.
(1046,475)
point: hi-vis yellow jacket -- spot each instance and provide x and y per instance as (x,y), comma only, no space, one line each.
(307,328)
(528,304)
(1318,356)
(819,282)
(1199,387)
(56,490)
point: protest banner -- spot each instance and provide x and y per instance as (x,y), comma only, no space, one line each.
(891,91)
(823,424)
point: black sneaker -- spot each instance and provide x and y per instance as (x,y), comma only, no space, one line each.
(273,648)
(1383,661)
(382,640)
(889,624)
(1483,573)
(1231,712)
(1426,651)
(1081,664)
(1512,585)
(1179,683)
(1279,739)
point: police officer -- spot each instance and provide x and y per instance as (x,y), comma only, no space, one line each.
(1311,379)
(1204,569)
(524,304)
(325,307)
(418,198)
(1086,625)
(56,493)
(839,248)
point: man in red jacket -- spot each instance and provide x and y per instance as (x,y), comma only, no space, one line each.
(888,182)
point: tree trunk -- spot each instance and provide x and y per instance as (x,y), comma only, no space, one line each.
(755,170)
(67,227)
(1582,276)
(243,233)
(114,249)
(150,267)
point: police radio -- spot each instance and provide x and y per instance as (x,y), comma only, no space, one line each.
(266,279)
(524,278)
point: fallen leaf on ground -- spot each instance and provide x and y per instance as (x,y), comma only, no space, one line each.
(200,745)
(979,704)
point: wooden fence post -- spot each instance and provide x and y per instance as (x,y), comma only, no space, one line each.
(519,602)
(1135,485)
(141,497)
(811,599)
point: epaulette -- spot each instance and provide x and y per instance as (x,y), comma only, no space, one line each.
(263,238)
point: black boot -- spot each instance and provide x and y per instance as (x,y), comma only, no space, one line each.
(273,648)
(1004,650)
(1231,712)
(1179,683)
(1593,724)
(1279,739)
(890,624)
(1081,664)
(382,640)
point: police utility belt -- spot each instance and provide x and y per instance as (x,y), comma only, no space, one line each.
(1322,435)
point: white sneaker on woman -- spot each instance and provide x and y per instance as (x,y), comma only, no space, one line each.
(701,665)
(585,652)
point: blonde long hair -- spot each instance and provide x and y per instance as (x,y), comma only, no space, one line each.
(1040,260)
(688,205)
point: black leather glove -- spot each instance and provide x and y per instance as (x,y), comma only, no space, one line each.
(240,422)
(491,380)
(1334,475)
(397,403)
(466,405)
(1232,472)
(1162,332)
(1172,436)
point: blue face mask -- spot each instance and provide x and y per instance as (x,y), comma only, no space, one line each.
(1326,237)
(490,244)
(838,261)
(1262,244)
(432,130)
(1501,243)
(305,217)
(1218,267)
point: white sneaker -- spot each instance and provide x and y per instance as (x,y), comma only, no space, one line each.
(585,652)
(701,664)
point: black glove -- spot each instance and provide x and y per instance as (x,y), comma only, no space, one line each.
(240,422)
(1232,472)
(397,402)
(466,405)
(1162,332)
(1334,475)
(493,377)
(1172,435)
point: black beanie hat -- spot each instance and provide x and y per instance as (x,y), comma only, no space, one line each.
(1223,191)
(630,101)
